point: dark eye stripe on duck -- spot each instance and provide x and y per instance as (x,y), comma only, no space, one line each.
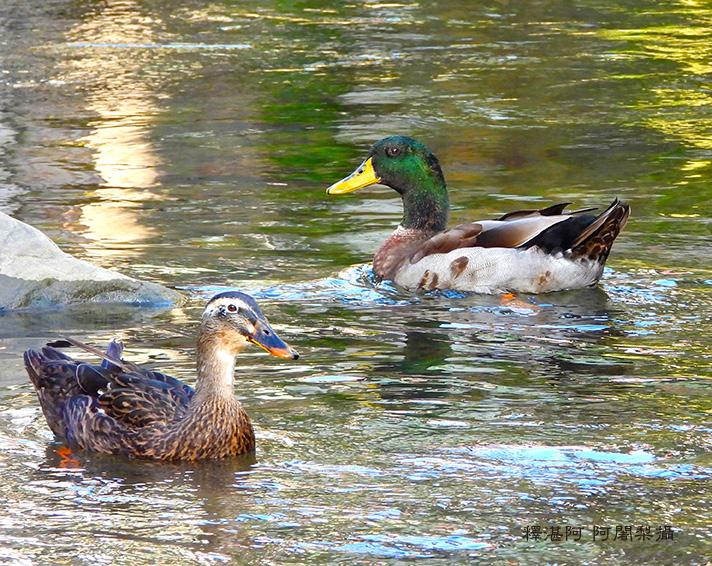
(236,298)
(233,306)
(233,310)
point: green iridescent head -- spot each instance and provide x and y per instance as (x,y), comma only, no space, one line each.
(408,167)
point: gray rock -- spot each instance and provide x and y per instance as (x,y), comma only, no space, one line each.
(35,273)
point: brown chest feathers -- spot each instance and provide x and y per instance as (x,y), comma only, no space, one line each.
(397,248)
(214,430)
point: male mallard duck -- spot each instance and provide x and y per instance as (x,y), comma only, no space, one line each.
(123,408)
(530,251)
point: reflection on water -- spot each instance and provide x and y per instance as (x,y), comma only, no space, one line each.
(120,136)
(192,145)
(665,103)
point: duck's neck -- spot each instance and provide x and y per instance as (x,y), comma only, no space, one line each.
(425,199)
(425,210)
(216,367)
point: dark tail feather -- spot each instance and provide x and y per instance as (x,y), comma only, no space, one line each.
(50,353)
(113,351)
(32,364)
(553,210)
(596,240)
(584,235)
(54,381)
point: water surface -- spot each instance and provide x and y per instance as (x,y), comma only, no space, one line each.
(191,145)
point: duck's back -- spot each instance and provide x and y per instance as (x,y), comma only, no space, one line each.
(112,408)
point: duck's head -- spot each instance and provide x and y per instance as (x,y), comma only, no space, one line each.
(408,167)
(232,319)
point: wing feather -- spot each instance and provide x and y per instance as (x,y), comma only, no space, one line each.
(138,400)
(82,401)
(522,228)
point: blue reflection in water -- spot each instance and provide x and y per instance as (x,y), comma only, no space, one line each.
(412,546)
(388,545)
(570,464)
(354,285)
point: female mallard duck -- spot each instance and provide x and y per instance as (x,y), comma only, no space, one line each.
(530,251)
(122,408)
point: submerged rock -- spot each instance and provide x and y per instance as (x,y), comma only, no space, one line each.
(34,272)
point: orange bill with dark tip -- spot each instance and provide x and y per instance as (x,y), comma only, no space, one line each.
(266,338)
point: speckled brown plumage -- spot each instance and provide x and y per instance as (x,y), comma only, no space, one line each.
(122,408)
(596,244)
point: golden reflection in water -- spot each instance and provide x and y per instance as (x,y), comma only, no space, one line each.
(687,46)
(123,152)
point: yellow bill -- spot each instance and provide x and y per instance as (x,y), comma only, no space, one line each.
(362,177)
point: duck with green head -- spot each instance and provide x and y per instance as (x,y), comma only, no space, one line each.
(529,251)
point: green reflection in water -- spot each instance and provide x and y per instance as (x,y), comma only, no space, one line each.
(414,427)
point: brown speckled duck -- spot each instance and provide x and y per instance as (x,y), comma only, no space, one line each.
(531,251)
(123,408)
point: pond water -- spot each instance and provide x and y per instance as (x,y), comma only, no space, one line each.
(191,144)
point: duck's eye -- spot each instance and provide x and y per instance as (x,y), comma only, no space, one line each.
(232,308)
(392,151)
